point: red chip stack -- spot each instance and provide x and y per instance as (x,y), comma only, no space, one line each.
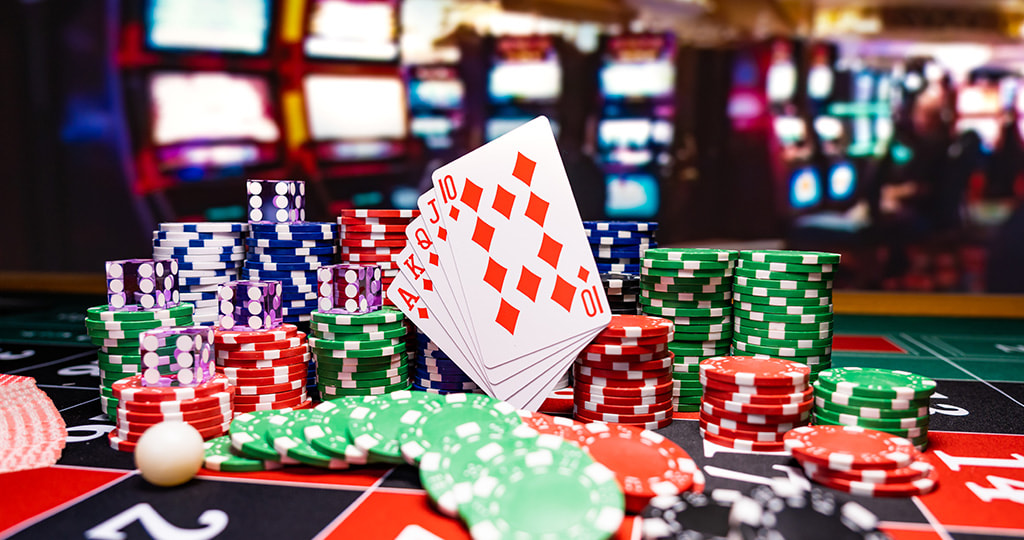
(625,375)
(33,433)
(206,406)
(266,367)
(751,402)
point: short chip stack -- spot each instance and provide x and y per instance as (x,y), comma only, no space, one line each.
(619,245)
(750,403)
(374,236)
(624,375)
(623,292)
(290,253)
(783,306)
(268,368)
(206,406)
(861,461)
(208,254)
(895,402)
(436,372)
(693,289)
(117,335)
(359,354)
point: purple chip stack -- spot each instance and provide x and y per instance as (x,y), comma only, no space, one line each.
(349,288)
(276,201)
(250,305)
(189,364)
(141,284)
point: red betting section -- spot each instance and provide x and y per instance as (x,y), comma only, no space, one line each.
(875,344)
(25,494)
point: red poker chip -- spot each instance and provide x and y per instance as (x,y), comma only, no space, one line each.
(743,426)
(297,360)
(755,371)
(605,349)
(760,399)
(623,409)
(637,326)
(650,365)
(254,336)
(269,397)
(366,258)
(219,399)
(270,354)
(252,373)
(207,433)
(771,410)
(289,343)
(621,383)
(645,463)
(267,381)
(379,213)
(921,486)
(850,447)
(345,242)
(621,418)
(615,401)
(292,403)
(566,428)
(915,471)
(743,444)
(120,444)
(183,416)
(559,401)
(598,357)
(643,341)
(756,390)
(633,391)
(371,250)
(131,389)
(241,391)
(375,228)
(621,373)
(199,423)
(349,234)
(374,220)
(749,418)
(757,436)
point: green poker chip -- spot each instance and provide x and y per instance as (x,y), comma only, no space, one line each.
(353,345)
(747,329)
(683,312)
(673,273)
(703,336)
(359,364)
(523,496)
(373,336)
(741,290)
(372,373)
(877,383)
(824,286)
(784,343)
(321,328)
(333,392)
(697,348)
(398,378)
(687,287)
(883,424)
(782,301)
(869,412)
(220,456)
(685,303)
(289,440)
(103,313)
(691,254)
(688,407)
(876,403)
(685,391)
(812,318)
(910,433)
(314,345)
(794,268)
(333,438)
(248,435)
(785,310)
(684,264)
(825,326)
(115,345)
(436,428)
(129,369)
(698,329)
(386,314)
(134,326)
(783,276)
(718,280)
(688,296)
(780,352)
(693,369)
(789,256)
(374,425)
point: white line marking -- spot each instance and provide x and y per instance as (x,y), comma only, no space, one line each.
(961,368)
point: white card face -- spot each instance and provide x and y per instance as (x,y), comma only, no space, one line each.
(522,255)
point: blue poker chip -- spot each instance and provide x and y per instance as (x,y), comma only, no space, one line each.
(443,378)
(435,354)
(193,296)
(197,251)
(205,227)
(214,265)
(621,252)
(618,234)
(286,236)
(438,391)
(440,369)
(297,226)
(621,225)
(617,260)
(219,243)
(279,274)
(272,243)
(208,280)
(293,251)
(424,383)
(298,289)
(645,242)
(281,267)
(297,311)
(290,259)
(174,235)
(624,268)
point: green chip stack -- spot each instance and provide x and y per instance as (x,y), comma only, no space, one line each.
(895,402)
(782,304)
(693,289)
(117,333)
(361,354)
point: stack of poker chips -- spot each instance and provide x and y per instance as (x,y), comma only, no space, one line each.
(436,372)
(268,368)
(117,335)
(625,375)
(208,254)
(206,406)
(290,253)
(359,354)
(895,402)
(622,291)
(619,245)
(693,289)
(861,461)
(750,403)
(782,303)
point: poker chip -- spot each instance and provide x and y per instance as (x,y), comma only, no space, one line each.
(756,436)
(438,421)
(742,444)
(144,418)
(698,516)
(911,488)
(880,424)
(787,511)
(387,213)
(751,371)
(877,383)
(374,425)
(787,409)
(219,456)
(289,440)
(218,399)
(132,389)
(751,418)
(248,435)
(849,447)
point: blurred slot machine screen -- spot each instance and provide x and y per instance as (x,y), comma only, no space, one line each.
(357,117)
(227,26)
(355,30)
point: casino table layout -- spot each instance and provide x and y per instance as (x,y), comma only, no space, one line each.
(976,441)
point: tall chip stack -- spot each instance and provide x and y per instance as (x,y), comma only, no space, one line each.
(782,301)
(141,295)
(892,401)
(623,292)
(693,289)
(624,375)
(208,254)
(750,403)
(619,245)
(359,354)
(436,372)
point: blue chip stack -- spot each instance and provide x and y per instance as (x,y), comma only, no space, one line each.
(436,372)
(290,253)
(208,255)
(619,245)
